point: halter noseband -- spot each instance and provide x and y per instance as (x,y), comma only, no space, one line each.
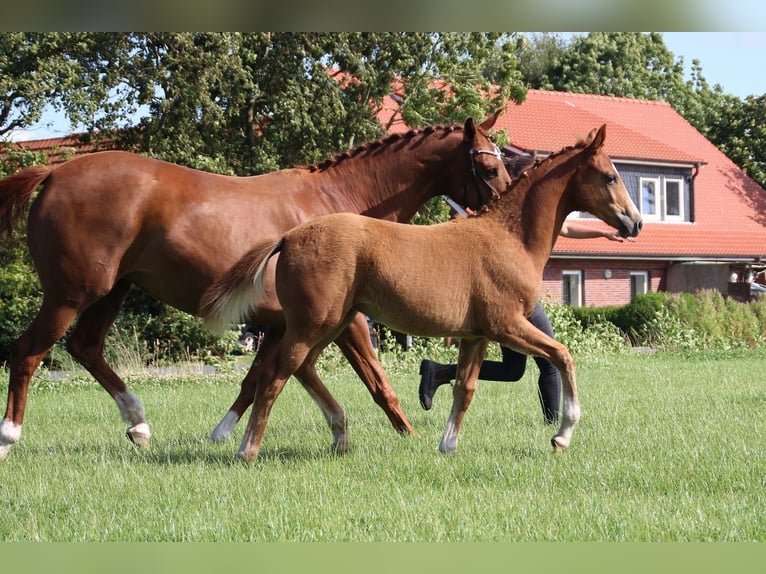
(473,152)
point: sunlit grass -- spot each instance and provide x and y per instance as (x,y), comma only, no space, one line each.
(668,449)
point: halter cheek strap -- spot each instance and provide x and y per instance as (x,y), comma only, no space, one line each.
(473,152)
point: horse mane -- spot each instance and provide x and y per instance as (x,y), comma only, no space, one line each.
(380,144)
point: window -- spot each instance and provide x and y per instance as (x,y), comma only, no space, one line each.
(572,291)
(639,283)
(674,199)
(649,199)
(662,199)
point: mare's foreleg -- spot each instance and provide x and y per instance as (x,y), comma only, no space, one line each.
(50,324)
(356,346)
(469,361)
(86,345)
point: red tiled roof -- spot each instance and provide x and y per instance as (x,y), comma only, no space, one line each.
(729,208)
(58,150)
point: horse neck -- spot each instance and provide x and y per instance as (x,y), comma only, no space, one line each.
(534,210)
(393,180)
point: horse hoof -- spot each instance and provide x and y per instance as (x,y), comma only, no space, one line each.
(340,446)
(217,436)
(139,435)
(245,456)
(4,450)
(558,444)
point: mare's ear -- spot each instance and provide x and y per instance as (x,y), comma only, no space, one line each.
(487,124)
(469,131)
(597,139)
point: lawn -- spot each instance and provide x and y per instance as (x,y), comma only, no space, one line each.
(669,448)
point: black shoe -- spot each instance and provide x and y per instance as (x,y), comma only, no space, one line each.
(428,383)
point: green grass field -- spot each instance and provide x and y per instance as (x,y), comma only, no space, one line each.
(669,448)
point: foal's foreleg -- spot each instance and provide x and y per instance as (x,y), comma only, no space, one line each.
(356,346)
(86,345)
(530,340)
(469,361)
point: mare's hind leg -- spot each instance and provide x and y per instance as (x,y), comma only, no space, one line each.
(354,342)
(86,345)
(27,351)
(469,360)
(356,346)
(244,399)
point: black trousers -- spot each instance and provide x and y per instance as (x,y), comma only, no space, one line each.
(514,364)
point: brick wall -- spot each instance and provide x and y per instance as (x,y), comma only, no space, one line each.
(599,291)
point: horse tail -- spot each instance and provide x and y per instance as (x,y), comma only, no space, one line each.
(15,193)
(237,292)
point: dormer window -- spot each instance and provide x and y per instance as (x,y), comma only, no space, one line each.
(662,199)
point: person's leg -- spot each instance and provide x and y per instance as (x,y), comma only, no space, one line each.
(433,375)
(512,367)
(549,381)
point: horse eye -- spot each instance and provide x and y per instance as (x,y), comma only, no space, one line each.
(610,179)
(491,173)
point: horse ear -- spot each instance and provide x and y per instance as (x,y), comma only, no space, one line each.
(487,124)
(595,139)
(469,131)
(598,139)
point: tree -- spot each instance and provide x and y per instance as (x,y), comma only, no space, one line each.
(248,103)
(739,130)
(74,72)
(623,64)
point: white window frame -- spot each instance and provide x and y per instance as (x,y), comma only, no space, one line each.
(644,288)
(568,276)
(681,205)
(657,215)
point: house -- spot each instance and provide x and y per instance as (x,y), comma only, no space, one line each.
(704,219)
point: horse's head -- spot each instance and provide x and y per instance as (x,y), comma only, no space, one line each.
(601,190)
(487,175)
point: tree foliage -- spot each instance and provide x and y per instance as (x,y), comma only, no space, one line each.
(245,103)
(248,103)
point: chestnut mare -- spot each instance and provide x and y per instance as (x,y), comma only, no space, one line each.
(111,219)
(475,278)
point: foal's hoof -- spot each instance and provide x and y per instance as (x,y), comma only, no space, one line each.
(558,444)
(246,456)
(139,435)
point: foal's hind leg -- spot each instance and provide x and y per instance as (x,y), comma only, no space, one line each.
(354,342)
(332,411)
(27,351)
(271,373)
(244,399)
(86,345)
(469,361)
(356,346)
(295,350)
